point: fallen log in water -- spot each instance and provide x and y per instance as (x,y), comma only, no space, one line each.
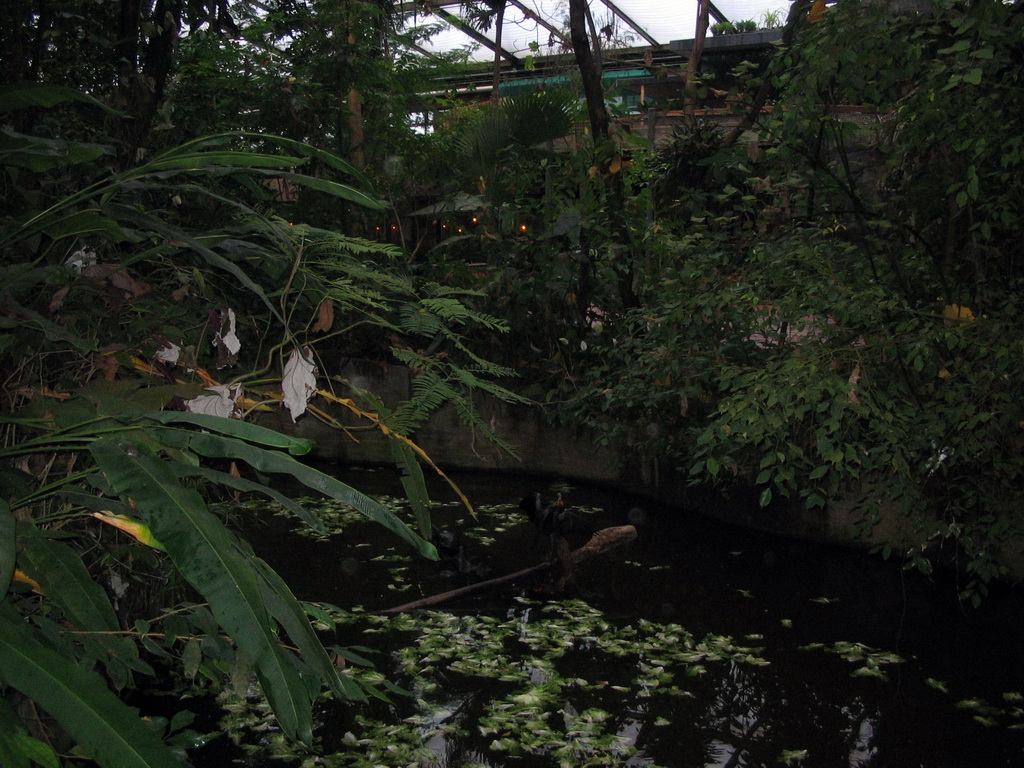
(603,541)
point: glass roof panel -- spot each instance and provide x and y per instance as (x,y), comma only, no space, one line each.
(523,35)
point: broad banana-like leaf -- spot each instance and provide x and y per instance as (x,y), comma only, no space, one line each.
(241,484)
(295,621)
(53,331)
(243,430)
(200,161)
(40,154)
(8,542)
(63,578)
(105,728)
(210,558)
(344,191)
(89,223)
(17,748)
(192,156)
(28,94)
(79,496)
(414,484)
(218,447)
(60,574)
(327,158)
(174,234)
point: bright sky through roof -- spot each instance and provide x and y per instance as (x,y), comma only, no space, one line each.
(663,20)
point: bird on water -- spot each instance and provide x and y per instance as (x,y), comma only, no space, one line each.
(552,518)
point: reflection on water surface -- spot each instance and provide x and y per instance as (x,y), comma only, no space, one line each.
(696,645)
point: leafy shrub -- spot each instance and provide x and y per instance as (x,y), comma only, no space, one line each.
(116,310)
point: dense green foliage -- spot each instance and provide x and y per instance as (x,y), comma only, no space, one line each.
(836,313)
(120,296)
(823,311)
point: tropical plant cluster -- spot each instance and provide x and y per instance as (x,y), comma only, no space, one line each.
(831,305)
(821,305)
(158,291)
(734,27)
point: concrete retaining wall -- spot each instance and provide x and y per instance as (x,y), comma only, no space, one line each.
(555,452)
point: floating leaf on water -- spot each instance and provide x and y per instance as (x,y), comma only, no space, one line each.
(825,600)
(787,623)
(869,671)
(793,756)
(977,705)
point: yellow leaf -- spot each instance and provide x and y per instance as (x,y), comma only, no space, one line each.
(616,164)
(26,579)
(133,528)
(324,317)
(954,312)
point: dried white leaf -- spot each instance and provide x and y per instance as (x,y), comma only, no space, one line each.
(79,260)
(298,382)
(221,403)
(168,352)
(226,335)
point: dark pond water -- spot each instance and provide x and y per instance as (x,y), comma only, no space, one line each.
(696,645)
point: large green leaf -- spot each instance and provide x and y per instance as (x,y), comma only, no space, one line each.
(106,728)
(218,447)
(41,154)
(79,496)
(8,542)
(327,158)
(202,161)
(244,430)
(294,620)
(64,580)
(23,316)
(343,191)
(249,486)
(414,483)
(17,748)
(211,559)
(173,234)
(85,223)
(23,95)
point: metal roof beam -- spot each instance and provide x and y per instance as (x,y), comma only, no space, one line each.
(636,27)
(531,14)
(463,27)
(716,14)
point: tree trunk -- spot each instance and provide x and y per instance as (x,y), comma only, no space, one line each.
(144,67)
(356,134)
(590,72)
(604,154)
(499,23)
(693,64)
